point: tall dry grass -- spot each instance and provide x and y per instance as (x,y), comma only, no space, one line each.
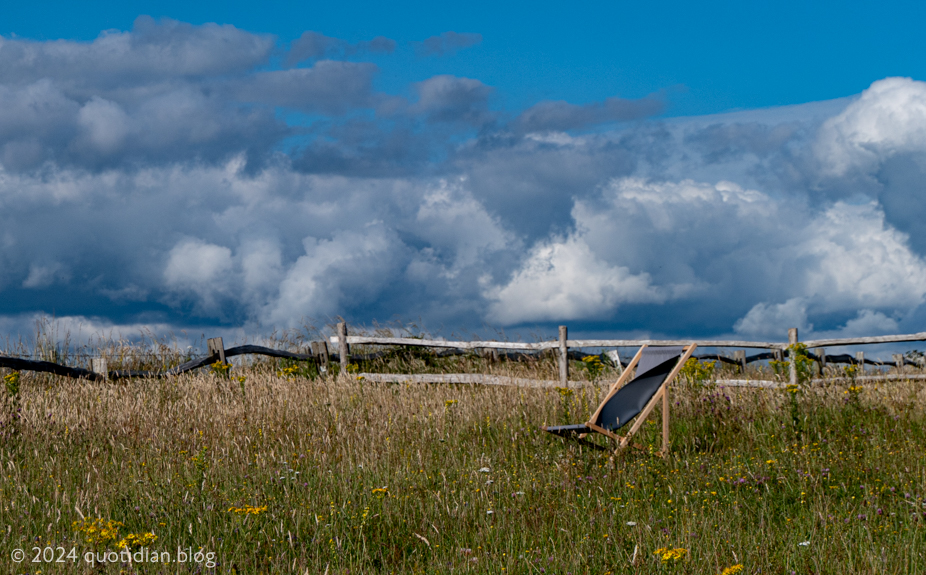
(292,475)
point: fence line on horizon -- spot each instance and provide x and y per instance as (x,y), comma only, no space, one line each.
(321,357)
(562,345)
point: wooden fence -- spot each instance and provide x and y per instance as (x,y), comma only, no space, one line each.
(320,355)
(343,341)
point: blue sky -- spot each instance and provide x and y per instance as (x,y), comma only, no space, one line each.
(707,57)
(628,169)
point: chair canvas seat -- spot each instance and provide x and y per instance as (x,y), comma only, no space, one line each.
(652,357)
(630,400)
(656,368)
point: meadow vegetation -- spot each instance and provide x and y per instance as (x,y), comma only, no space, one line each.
(276,470)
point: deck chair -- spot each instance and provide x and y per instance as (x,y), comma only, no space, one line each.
(656,368)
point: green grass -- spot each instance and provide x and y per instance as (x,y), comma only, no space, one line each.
(277,475)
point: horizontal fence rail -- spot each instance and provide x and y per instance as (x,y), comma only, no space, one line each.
(583,343)
(20,364)
(672,342)
(471,345)
(866,340)
(467,378)
(578,343)
(47,367)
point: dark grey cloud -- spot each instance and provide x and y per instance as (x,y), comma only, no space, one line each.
(328,87)
(40,124)
(313,46)
(448,98)
(151,95)
(447,44)
(563,116)
(532,182)
(727,142)
(163,92)
(407,137)
(368,149)
(898,176)
(153,51)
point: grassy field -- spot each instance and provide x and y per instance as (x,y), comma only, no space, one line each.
(272,472)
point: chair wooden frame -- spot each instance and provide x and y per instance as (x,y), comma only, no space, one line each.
(623,441)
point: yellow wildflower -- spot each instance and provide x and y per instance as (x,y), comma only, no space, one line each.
(134,540)
(668,555)
(98,530)
(247,510)
(288,372)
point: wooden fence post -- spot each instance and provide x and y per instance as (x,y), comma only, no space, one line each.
(343,350)
(98,365)
(898,360)
(563,357)
(792,339)
(820,355)
(490,354)
(616,358)
(740,356)
(216,349)
(860,360)
(320,351)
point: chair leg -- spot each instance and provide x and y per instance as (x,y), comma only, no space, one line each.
(665,399)
(665,422)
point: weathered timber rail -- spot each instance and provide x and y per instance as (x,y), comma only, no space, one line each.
(602,343)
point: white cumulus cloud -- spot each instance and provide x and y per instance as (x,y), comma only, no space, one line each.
(888,118)
(563,280)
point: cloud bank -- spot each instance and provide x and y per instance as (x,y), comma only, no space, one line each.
(180,175)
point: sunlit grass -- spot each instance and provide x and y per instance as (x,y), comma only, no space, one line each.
(274,472)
